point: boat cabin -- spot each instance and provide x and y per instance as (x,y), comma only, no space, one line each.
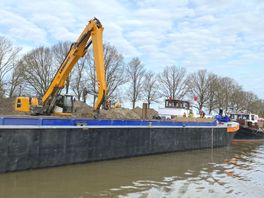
(174,108)
(244,116)
(244,119)
(180,104)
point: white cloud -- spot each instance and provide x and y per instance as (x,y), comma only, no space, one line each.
(222,36)
(19,28)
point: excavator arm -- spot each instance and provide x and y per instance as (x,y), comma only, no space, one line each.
(92,34)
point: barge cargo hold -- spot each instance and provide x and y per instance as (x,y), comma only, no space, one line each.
(27,143)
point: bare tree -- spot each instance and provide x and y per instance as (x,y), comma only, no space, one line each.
(213,84)
(257,106)
(199,84)
(223,93)
(38,70)
(2,92)
(114,72)
(92,82)
(250,99)
(16,81)
(229,95)
(60,51)
(79,78)
(135,74)
(8,56)
(237,98)
(150,88)
(173,82)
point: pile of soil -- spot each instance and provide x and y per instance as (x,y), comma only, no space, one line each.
(7,107)
(119,113)
(82,110)
(184,119)
(149,115)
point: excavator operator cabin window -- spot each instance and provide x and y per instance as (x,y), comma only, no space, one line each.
(18,103)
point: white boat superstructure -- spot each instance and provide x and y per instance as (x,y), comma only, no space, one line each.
(175,108)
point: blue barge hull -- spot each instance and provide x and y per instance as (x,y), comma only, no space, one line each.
(36,121)
(27,144)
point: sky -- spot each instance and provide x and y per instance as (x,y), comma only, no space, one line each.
(225,37)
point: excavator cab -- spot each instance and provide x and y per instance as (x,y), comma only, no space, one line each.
(25,104)
(64,105)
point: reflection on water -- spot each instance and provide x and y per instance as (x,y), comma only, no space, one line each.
(234,171)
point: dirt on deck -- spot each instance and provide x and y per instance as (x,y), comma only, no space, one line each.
(82,110)
(183,119)
(7,107)
(85,111)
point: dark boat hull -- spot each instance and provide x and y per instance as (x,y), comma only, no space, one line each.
(245,133)
(27,147)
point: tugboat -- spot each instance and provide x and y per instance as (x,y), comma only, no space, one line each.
(250,126)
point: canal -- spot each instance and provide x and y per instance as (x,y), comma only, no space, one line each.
(233,171)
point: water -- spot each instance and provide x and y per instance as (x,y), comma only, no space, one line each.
(234,171)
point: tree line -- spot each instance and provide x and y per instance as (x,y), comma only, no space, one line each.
(31,73)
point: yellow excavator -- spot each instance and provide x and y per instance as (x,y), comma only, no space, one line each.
(52,101)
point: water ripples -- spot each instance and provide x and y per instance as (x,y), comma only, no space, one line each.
(235,171)
(240,175)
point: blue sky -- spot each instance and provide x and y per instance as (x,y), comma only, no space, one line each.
(223,36)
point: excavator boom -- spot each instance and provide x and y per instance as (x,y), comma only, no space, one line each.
(52,101)
(92,34)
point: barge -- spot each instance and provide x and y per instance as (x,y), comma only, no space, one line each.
(28,143)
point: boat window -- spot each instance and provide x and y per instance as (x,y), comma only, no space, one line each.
(232,116)
(252,117)
(177,104)
(245,117)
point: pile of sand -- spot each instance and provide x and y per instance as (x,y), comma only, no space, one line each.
(82,110)
(119,113)
(7,107)
(150,112)
(184,119)
(86,111)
